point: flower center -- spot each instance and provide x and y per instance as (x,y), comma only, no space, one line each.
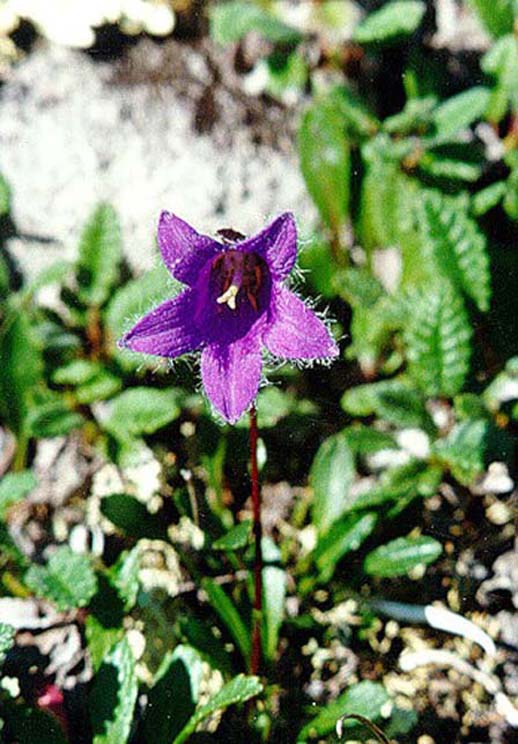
(238,278)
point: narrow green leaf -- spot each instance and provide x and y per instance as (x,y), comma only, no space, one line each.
(391,22)
(5,196)
(331,476)
(325,160)
(438,167)
(501,62)
(274,595)
(416,115)
(496,15)
(399,556)
(230,21)
(7,633)
(364,699)
(230,616)
(99,255)
(113,696)
(238,690)
(438,341)
(142,410)
(345,535)
(14,487)
(235,538)
(488,198)
(358,120)
(67,580)
(459,112)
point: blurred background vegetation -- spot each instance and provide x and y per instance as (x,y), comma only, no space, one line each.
(390,129)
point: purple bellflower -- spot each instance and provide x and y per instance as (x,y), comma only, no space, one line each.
(235,304)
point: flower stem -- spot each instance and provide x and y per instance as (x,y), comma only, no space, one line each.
(255,660)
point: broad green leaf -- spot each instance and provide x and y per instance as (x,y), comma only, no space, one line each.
(501,62)
(488,198)
(316,259)
(113,697)
(52,419)
(142,410)
(457,245)
(399,556)
(332,474)
(287,75)
(345,535)
(100,253)
(201,635)
(132,517)
(124,575)
(464,449)
(53,274)
(365,698)
(400,485)
(359,121)
(365,440)
(416,115)
(274,595)
(100,387)
(325,160)
(230,21)
(227,611)
(358,287)
(459,112)
(173,698)
(76,372)
(496,15)
(392,400)
(238,690)
(504,387)
(67,580)
(7,633)
(14,487)
(5,196)
(235,538)
(438,341)
(100,639)
(391,22)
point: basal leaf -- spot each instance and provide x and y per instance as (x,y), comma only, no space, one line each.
(132,517)
(391,22)
(52,419)
(67,580)
(346,534)
(274,595)
(142,410)
(399,556)
(235,538)
(14,487)
(464,449)
(459,112)
(99,255)
(438,338)
(227,611)
(331,477)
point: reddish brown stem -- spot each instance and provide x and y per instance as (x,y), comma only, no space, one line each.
(255,660)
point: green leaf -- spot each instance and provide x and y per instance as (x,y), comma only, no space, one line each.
(100,639)
(391,400)
(399,556)
(235,538)
(331,477)
(488,198)
(504,387)
(381,192)
(238,690)
(510,202)
(391,22)
(464,449)
(400,485)
(124,575)
(438,167)
(457,245)
(100,387)
(52,419)
(14,487)
(173,698)
(365,698)
(358,287)
(286,74)
(5,196)
(496,15)
(132,517)
(364,440)
(325,160)
(229,615)
(230,21)
(501,62)
(76,372)
(359,121)
(7,633)
(67,580)
(438,341)
(459,112)
(316,259)
(113,696)
(416,115)
(29,725)
(274,595)
(142,410)
(100,252)
(345,535)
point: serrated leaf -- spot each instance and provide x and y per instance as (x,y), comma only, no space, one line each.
(52,419)
(100,253)
(230,21)
(113,696)
(399,556)
(391,22)
(173,698)
(496,15)
(464,448)
(67,580)
(14,487)
(438,341)
(235,538)
(365,699)
(274,595)
(325,161)
(5,196)
(331,477)
(238,690)
(124,575)
(227,611)
(459,112)
(132,517)
(142,410)
(345,535)
(7,633)
(458,247)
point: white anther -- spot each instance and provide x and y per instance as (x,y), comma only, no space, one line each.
(229,297)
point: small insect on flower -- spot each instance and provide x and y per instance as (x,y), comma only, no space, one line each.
(235,304)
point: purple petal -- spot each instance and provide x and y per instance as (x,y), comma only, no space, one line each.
(168,330)
(184,250)
(231,374)
(296,332)
(277,244)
